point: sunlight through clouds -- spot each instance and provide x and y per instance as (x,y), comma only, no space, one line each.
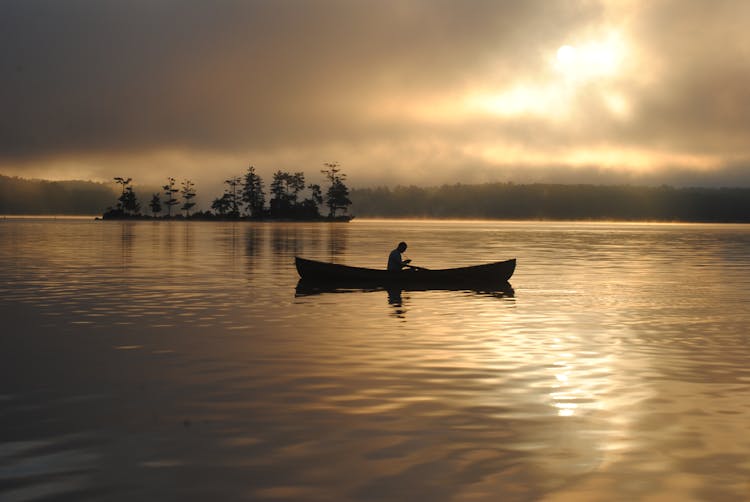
(592,59)
(547,101)
(555,94)
(429,86)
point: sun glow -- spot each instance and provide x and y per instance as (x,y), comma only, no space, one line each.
(555,93)
(590,60)
(566,55)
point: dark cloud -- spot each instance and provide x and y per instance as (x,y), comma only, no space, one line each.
(104,75)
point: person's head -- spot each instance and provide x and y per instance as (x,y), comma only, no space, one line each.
(401,247)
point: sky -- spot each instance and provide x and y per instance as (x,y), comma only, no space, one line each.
(419,92)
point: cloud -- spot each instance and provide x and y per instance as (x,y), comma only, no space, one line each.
(699,55)
(395,90)
(123,75)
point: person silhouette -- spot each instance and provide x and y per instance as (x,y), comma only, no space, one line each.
(395,264)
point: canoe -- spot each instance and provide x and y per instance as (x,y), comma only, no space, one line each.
(489,274)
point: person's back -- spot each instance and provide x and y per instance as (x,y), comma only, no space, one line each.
(395,264)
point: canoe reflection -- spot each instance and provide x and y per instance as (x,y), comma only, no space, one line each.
(396,301)
(305,288)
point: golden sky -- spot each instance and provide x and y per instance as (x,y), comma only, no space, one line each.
(397,91)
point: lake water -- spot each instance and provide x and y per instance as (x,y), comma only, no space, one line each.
(175,361)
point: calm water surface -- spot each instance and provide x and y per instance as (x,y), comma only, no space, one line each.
(176,361)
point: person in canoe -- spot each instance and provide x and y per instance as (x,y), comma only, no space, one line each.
(395,263)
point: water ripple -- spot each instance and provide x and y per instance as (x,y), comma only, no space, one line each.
(179,361)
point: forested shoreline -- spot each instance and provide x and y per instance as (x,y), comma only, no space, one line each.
(20,196)
(555,202)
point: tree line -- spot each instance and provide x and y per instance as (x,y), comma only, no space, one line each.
(243,197)
(492,201)
(26,196)
(556,202)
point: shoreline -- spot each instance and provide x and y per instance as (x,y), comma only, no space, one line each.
(322,219)
(373,218)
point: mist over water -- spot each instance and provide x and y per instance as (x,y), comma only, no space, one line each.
(176,360)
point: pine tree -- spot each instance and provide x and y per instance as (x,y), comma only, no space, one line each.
(155,204)
(279,196)
(129,201)
(231,193)
(278,185)
(295,184)
(221,205)
(169,191)
(252,193)
(187,192)
(337,196)
(125,183)
(316,194)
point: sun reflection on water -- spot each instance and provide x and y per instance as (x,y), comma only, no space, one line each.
(184,348)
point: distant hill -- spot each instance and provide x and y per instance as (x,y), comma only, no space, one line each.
(557,202)
(24,196)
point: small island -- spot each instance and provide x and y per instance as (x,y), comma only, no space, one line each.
(244,198)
